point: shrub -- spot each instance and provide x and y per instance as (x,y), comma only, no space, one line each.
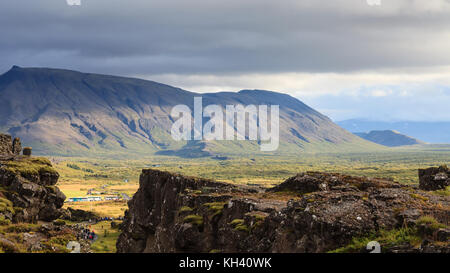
(431,222)
(73,166)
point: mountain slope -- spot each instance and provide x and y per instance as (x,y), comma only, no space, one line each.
(389,138)
(69,113)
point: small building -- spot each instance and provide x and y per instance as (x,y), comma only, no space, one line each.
(84,199)
(76,199)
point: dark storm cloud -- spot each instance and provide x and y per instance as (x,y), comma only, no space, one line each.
(216,37)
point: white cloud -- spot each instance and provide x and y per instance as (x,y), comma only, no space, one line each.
(390,60)
(312,84)
(380,93)
(409,94)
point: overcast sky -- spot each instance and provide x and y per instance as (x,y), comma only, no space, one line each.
(345,58)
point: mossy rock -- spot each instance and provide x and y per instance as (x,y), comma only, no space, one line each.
(29,167)
(429,225)
(59,222)
(445,192)
(215,207)
(207,189)
(6,202)
(6,205)
(236,222)
(386,238)
(7,246)
(4,221)
(52,189)
(194,219)
(22,227)
(185,209)
(419,197)
(242,227)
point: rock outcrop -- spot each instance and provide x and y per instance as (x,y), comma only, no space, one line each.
(311,212)
(16,146)
(6,144)
(78,215)
(27,186)
(433,179)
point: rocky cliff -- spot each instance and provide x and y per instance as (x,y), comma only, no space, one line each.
(27,186)
(311,212)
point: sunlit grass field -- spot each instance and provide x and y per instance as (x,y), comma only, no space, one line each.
(107,237)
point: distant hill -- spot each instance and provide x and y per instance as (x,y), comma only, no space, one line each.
(430,132)
(63,112)
(389,138)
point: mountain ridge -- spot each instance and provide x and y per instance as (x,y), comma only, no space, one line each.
(389,138)
(437,132)
(66,112)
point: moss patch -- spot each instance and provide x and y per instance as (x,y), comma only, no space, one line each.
(194,219)
(6,205)
(445,192)
(215,207)
(239,225)
(32,166)
(185,209)
(236,222)
(242,227)
(431,223)
(387,240)
(418,196)
(4,221)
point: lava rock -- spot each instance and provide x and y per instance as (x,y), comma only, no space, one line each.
(433,179)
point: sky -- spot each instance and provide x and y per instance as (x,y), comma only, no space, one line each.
(346,58)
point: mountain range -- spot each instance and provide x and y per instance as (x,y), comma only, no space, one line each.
(64,112)
(437,132)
